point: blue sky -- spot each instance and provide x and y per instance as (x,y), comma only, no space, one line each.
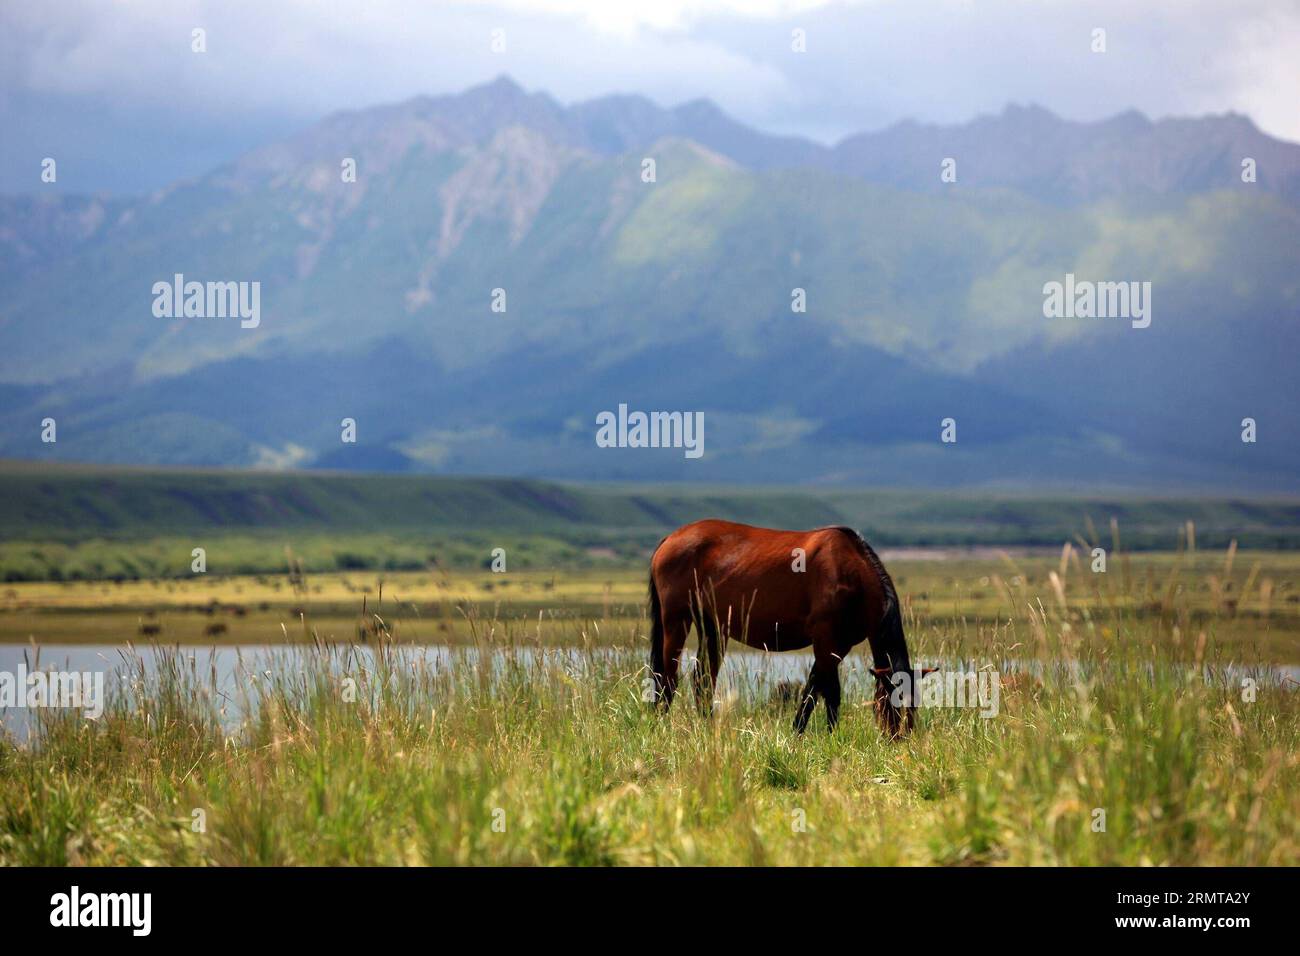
(112,89)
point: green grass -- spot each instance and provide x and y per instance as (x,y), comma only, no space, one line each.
(169,557)
(580,772)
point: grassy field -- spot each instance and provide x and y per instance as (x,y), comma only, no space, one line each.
(393,700)
(1117,695)
(558,760)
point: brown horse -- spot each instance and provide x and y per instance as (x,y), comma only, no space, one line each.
(778,591)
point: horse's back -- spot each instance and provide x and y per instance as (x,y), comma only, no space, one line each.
(776,581)
(723,543)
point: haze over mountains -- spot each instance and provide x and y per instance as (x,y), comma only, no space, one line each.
(924,300)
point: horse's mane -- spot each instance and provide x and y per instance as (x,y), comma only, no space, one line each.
(873,559)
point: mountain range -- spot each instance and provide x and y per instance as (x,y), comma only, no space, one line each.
(924,300)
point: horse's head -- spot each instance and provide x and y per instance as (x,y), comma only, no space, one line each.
(897,697)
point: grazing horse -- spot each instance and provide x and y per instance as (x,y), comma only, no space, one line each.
(777,591)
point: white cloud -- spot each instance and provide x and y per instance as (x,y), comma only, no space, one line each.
(868,63)
(626,17)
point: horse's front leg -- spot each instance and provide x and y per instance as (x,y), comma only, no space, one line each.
(824,677)
(828,679)
(807,701)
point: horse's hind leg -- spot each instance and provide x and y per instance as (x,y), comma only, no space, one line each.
(676,627)
(707,664)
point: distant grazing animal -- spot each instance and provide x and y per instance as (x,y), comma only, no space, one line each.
(779,591)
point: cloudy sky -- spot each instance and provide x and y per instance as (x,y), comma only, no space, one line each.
(112,89)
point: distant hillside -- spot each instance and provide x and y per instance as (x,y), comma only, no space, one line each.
(924,301)
(62,503)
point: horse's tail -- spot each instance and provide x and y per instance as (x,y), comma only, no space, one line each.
(656,639)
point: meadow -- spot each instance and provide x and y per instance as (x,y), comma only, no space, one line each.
(1150,692)
(349,681)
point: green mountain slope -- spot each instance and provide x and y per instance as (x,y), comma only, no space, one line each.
(376,304)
